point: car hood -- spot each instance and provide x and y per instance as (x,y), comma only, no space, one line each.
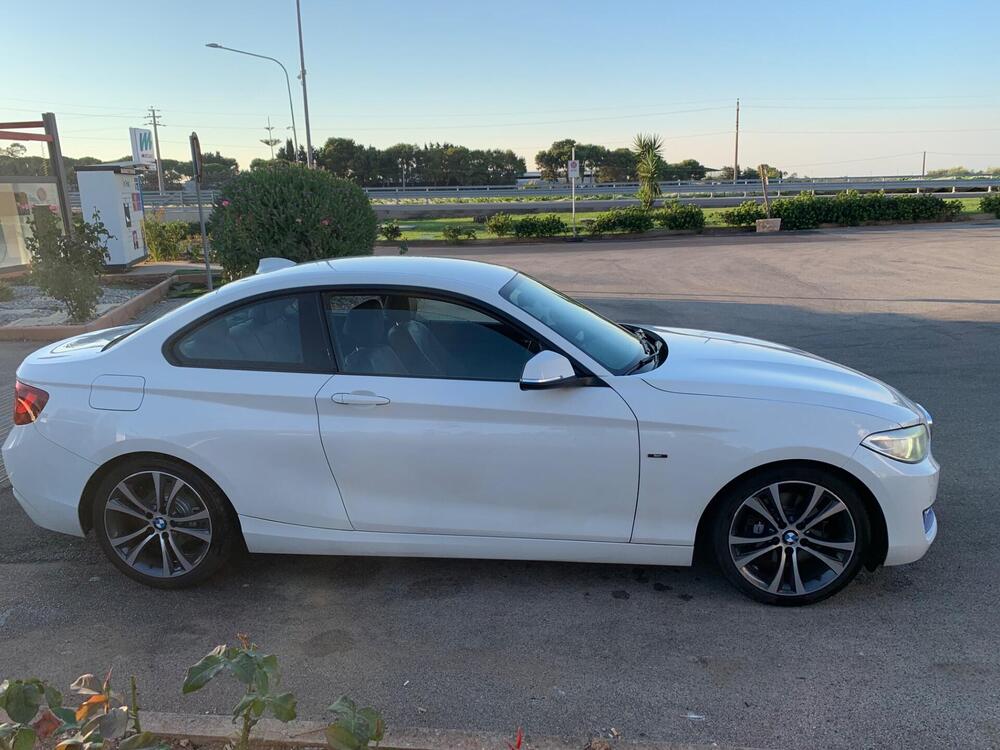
(720,364)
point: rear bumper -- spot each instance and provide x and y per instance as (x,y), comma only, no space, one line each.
(48,480)
(906,493)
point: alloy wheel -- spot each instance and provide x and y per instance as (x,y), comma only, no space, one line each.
(792,538)
(158,524)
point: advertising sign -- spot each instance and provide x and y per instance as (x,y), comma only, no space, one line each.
(142,147)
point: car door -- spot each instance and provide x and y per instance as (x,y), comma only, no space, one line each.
(427,430)
(243,403)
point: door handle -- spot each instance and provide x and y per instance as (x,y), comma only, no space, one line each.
(359,399)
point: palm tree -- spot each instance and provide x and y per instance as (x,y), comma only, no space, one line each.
(649,164)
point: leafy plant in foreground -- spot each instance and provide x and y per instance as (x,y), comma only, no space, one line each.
(259,674)
(32,706)
(100,722)
(354,728)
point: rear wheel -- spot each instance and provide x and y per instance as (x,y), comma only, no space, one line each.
(162,523)
(791,536)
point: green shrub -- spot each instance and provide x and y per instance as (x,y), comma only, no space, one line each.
(801,212)
(453,234)
(744,214)
(632,220)
(390,230)
(539,226)
(6,291)
(500,224)
(67,268)
(287,210)
(990,204)
(850,208)
(680,216)
(166,240)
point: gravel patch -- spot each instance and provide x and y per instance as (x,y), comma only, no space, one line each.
(31,306)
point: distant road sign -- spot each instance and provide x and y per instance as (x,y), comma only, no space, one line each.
(196,158)
(573,168)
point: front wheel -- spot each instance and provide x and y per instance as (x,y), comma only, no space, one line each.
(162,523)
(791,536)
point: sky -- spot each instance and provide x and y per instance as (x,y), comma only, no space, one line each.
(826,88)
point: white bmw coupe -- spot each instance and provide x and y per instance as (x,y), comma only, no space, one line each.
(444,408)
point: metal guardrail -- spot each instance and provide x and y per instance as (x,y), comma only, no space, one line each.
(744,188)
(172,198)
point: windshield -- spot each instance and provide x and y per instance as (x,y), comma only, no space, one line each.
(606,342)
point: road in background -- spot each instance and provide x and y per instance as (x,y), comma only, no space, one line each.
(904,657)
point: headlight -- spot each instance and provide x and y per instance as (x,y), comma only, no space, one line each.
(908,444)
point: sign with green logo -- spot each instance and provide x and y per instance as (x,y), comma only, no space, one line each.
(142,146)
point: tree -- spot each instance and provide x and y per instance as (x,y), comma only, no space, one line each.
(689,169)
(15,150)
(552,161)
(648,167)
(750,173)
(286,152)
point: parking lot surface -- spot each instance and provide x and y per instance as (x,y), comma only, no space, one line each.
(904,657)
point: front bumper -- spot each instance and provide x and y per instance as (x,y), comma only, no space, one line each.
(906,494)
(48,480)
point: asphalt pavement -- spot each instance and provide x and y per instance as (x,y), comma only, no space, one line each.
(904,657)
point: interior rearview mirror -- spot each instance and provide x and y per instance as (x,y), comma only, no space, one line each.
(547,370)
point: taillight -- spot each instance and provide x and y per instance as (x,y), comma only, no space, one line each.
(28,402)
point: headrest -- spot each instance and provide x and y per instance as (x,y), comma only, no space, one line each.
(365,324)
(397,309)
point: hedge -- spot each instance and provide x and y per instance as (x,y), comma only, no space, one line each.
(632,220)
(850,208)
(680,216)
(289,211)
(539,226)
(744,214)
(990,204)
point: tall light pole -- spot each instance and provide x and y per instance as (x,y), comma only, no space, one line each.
(288,85)
(736,156)
(302,77)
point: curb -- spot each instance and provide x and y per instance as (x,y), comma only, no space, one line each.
(116,317)
(213,728)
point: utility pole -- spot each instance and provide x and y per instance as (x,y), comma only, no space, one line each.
(736,156)
(270,140)
(923,166)
(155,122)
(305,95)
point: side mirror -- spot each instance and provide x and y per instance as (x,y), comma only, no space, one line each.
(547,369)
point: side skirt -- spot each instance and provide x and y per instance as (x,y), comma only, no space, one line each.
(283,538)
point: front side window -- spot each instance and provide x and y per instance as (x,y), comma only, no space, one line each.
(606,342)
(262,334)
(415,336)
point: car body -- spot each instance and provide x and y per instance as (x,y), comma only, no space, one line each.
(447,408)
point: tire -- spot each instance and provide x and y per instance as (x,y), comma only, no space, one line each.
(174,542)
(804,553)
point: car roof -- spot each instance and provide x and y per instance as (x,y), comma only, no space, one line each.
(445,273)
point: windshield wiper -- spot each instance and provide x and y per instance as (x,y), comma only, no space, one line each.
(651,349)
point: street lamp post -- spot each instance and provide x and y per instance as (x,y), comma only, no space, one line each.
(302,77)
(288,85)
